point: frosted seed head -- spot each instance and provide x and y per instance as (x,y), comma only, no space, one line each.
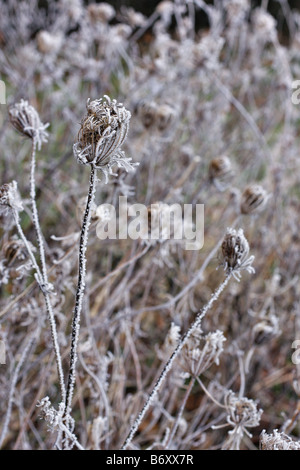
(165,116)
(253,199)
(277,441)
(25,119)
(264,330)
(102,12)
(235,253)
(242,411)
(103,131)
(48,43)
(220,169)
(146,112)
(10,198)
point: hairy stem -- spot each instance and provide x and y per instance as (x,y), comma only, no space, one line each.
(44,276)
(80,290)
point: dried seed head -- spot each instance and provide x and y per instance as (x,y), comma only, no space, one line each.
(165,116)
(253,199)
(25,119)
(10,198)
(197,357)
(103,131)
(264,330)
(48,42)
(235,251)
(277,441)
(146,111)
(101,12)
(220,169)
(242,411)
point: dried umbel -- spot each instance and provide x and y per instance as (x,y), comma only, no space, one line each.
(219,171)
(10,198)
(235,253)
(147,113)
(277,441)
(48,43)
(253,199)
(26,120)
(101,12)
(264,330)
(165,116)
(242,414)
(103,131)
(198,359)
(153,115)
(264,24)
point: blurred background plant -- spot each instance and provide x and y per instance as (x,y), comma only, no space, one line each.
(209,87)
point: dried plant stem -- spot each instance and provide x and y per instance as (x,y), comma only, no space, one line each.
(14,383)
(169,363)
(44,276)
(80,290)
(180,413)
(39,277)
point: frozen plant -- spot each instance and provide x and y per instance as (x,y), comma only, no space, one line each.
(277,441)
(242,414)
(235,253)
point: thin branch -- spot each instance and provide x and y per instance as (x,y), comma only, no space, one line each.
(169,363)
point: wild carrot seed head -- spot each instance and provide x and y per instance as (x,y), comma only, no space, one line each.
(253,198)
(103,131)
(26,120)
(235,253)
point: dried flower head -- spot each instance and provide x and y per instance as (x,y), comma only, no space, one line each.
(277,441)
(235,251)
(242,414)
(103,131)
(26,120)
(165,116)
(264,24)
(146,112)
(219,171)
(198,359)
(264,330)
(47,42)
(253,198)
(101,12)
(10,198)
